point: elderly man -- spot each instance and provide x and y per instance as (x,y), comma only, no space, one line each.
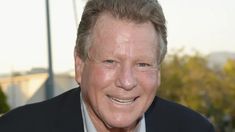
(120,46)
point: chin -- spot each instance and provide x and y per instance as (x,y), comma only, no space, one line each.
(121,123)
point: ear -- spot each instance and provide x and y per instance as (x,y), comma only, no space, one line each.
(79,64)
(159,78)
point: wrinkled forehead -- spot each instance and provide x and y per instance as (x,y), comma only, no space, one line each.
(112,34)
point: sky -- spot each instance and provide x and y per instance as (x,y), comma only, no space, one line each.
(196,25)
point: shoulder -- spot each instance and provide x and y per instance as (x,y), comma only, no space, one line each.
(170,116)
(36,109)
(44,113)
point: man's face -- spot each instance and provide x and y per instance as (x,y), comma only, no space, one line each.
(120,77)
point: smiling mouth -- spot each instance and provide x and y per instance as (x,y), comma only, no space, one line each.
(122,101)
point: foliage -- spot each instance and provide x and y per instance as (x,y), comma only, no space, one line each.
(3,105)
(189,81)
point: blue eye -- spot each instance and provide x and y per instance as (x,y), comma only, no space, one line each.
(144,65)
(109,61)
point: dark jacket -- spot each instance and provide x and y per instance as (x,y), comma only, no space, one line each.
(63,114)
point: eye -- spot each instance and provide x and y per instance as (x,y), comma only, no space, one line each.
(144,65)
(109,61)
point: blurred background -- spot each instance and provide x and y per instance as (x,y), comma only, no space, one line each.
(198,72)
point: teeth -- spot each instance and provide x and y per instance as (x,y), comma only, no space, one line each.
(122,101)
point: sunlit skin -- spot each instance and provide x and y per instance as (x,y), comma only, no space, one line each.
(120,77)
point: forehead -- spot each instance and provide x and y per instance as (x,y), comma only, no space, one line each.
(111,34)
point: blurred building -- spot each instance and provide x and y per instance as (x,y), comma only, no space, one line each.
(29,87)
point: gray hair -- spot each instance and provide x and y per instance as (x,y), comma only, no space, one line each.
(138,11)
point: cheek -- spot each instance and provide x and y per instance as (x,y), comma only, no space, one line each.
(97,77)
(103,78)
(149,81)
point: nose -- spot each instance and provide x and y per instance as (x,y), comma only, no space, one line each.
(126,78)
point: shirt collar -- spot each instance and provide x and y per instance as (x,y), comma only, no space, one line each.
(87,124)
(89,127)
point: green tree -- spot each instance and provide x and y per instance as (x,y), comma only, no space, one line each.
(189,81)
(3,104)
(229,83)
